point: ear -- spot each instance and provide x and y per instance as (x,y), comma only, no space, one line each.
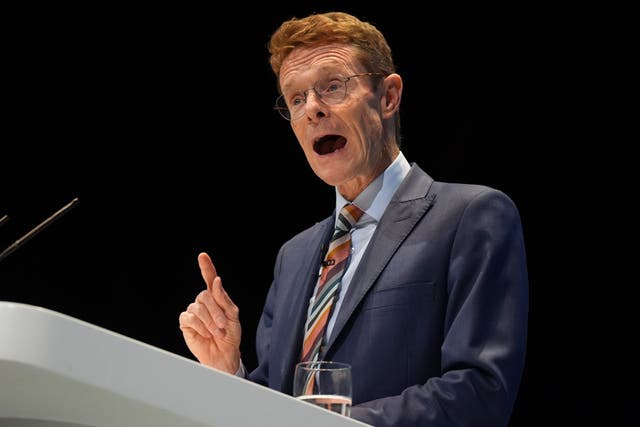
(392,95)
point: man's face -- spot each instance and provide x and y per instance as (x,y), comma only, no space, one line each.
(343,142)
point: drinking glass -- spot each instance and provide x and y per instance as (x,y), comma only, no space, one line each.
(324,383)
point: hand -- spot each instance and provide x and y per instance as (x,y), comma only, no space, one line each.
(211,324)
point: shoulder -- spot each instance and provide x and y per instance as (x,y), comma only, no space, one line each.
(459,198)
(474,197)
(418,178)
(469,192)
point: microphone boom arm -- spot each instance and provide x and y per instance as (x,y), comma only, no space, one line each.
(15,245)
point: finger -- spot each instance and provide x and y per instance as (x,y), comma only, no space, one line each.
(202,316)
(223,301)
(192,324)
(209,310)
(207,269)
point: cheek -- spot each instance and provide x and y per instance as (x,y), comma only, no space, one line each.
(298,128)
(372,128)
(298,133)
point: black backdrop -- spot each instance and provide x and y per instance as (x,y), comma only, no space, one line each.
(157,116)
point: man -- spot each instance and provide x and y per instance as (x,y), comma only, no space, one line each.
(430,307)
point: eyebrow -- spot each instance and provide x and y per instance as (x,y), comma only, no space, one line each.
(321,73)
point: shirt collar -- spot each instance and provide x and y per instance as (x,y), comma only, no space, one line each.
(376,196)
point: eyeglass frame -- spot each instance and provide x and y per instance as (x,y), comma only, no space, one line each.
(284,111)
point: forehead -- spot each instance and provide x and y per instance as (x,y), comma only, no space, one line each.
(309,62)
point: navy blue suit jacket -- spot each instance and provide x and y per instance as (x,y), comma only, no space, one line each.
(434,322)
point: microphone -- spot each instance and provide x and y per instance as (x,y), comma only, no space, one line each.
(328,262)
(24,239)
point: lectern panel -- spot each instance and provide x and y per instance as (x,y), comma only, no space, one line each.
(69,373)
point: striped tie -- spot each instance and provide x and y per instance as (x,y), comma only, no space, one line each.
(333,267)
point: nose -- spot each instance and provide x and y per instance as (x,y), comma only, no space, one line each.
(314,106)
(308,93)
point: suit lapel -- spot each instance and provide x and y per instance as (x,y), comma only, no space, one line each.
(406,208)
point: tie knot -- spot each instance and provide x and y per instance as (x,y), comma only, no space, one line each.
(349,216)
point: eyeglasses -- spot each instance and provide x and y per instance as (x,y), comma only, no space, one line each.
(331,91)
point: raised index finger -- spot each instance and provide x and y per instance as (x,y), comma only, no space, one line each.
(207,269)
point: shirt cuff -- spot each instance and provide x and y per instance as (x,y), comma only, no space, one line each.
(241,372)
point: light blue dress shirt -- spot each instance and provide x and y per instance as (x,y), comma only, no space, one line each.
(373,201)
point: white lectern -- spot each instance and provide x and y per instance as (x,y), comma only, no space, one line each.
(59,371)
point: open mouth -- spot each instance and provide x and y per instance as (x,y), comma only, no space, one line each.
(329,143)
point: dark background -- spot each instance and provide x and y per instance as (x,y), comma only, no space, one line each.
(157,116)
